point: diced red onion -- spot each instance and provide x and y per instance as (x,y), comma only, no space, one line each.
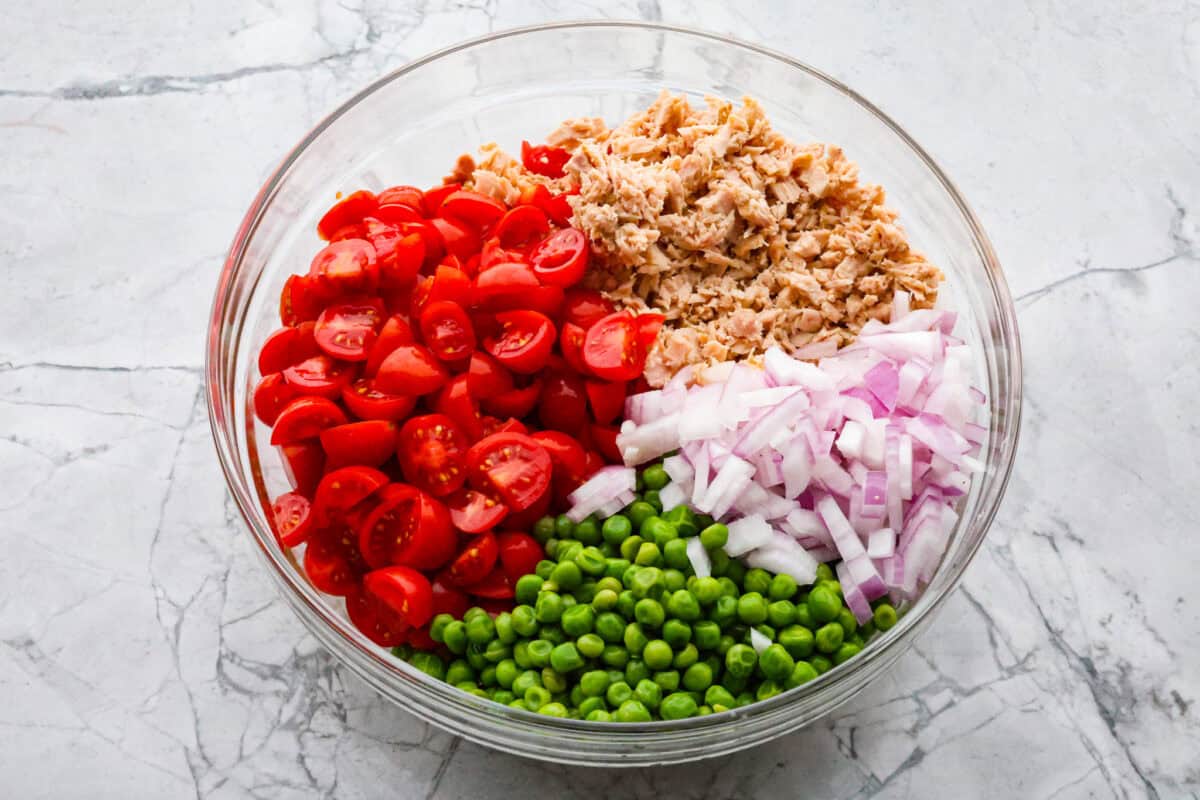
(803,523)
(784,555)
(730,481)
(600,489)
(853,596)
(900,305)
(699,558)
(881,543)
(883,381)
(844,537)
(679,469)
(650,440)
(759,641)
(674,494)
(746,534)
(813,350)
(832,476)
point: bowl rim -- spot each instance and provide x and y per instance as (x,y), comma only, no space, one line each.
(892,642)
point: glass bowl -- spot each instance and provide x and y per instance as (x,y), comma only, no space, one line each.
(409,127)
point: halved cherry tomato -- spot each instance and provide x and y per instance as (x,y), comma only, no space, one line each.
(346,266)
(519,554)
(447,330)
(566,454)
(473,511)
(285,347)
(300,301)
(607,399)
(305,418)
(556,206)
(570,342)
(594,463)
(524,342)
(419,639)
(292,515)
(368,443)
(435,248)
(546,300)
(515,402)
(477,210)
(397,214)
(521,226)
(402,590)
(493,254)
(354,230)
(448,600)
(475,561)
(331,566)
(584,307)
(611,348)
(503,286)
(401,195)
(647,328)
(341,489)
(492,426)
(561,258)
(456,402)
(513,465)
(485,376)
(349,210)
(411,369)
(366,402)
(450,283)
(604,439)
(525,520)
(378,623)
(458,239)
(431,202)
(270,396)
(406,526)
(563,403)
(400,255)
(347,330)
(544,160)
(304,464)
(496,586)
(395,332)
(431,449)
(320,376)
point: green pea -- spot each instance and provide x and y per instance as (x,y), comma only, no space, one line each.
(629,547)
(591,704)
(549,608)
(686,657)
(684,520)
(567,552)
(507,672)
(626,602)
(614,655)
(776,663)
(649,613)
(636,670)
(724,643)
(714,537)
(610,627)
(567,575)
(458,671)
(487,676)
(648,582)
(607,584)
(521,655)
(617,693)
(648,555)
(505,631)
(668,679)
(590,645)
(823,604)
(604,600)
(543,529)
(846,652)
(551,547)
(535,697)
(884,616)
(554,680)
(496,651)
(781,613)
(832,586)
(438,626)
(707,590)
(677,633)
(599,715)
(724,611)
(797,640)
(728,587)
(402,652)
(648,693)
(527,588)
(616,529)
(717,695)
(697,677)
(616,567)
(566,657)
(518,703)
(846,619)
(544,568)
(552,633)
(430,663)
(480,630)
(639,511)
(502,696)
(594,683)
(678,705)
(767,689)
(751,609)
(684,605)
(569,600)
(657,654)
(821,664)
(539,652)
(586,590)
(867,630)
(737,685)
(782,587)
(740,660)
(824,572)
(804,616)
(736,572)
(720,562)
(802,673)
(588,531)
(578,620)
(652,497)
(706,634)
(661,532)
(608,551)
(635,638)
(563,527)
(757,580)
(576,695)
(470,687)
(591,561)
(673,580)
(632,711)
(655,477)
(829,637)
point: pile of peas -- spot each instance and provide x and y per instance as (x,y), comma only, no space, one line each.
(615,626)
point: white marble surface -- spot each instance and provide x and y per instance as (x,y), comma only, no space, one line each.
(143,652)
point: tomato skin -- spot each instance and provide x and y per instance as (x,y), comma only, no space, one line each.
(347,266)
(605,440)
(458,239)
(485,376)
(409,196)
(305,418)
(544,160)
(525,520)
(503,286)
(342,489)
(563,403)
(304,464)
(447,599)
(395,332)
(348,211)
(566,454)
(648,324)
(561,258)
(411,369)
(366,402)
(594,463)
(271,395)
(493,254)
(570,344)
(447,331)
(524,341)
(329,565)
(475,561)
(546,300)
(319,376)
(435,246)
(300,301)
(515,402)
(368,443)
(431,449)
(513,465)
(378,624)
(406,526)
(347,331)
(431,202)
(292,517)
(611,349)
(556,207)
(402,590)
(607,399)
(397,214)
(496,586)
(472,511)
(456,402)
(584,307)
(521,226)
(475,209)
(519,554)
(449,283)
(285,347)
(400,255)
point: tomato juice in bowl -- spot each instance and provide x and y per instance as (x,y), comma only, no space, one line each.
(617,69)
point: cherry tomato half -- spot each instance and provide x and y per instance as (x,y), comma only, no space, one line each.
(400,255)
(458,239)
(341,489)
(607,399)
(493,254)
(305,418)
(319,376)
(449,600)
(409,196)
(524,341)
(504,286)
(519,554)
(270,396)
(347,330)
(475,561)
(364,401)
(395,332)
(406,526)
(293,519)
(563,403)
(648,325)
(521,226)
(566,454)
(447,330)
(473,511)
(584,307)
(456,402)
(431,202)
(346,266)
(331,566)
(485,376)
(544,160)
(513,465)
(515,402)
(347,211)
(561,258)
(285,347)
(477,210)
(605,440)
(376,621)
(301,300)
(496,586)
(402,590)
(304,464)
(611,349)
(431,449)
(368,443)
(411,369)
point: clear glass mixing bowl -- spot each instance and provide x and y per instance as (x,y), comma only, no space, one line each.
(408,128)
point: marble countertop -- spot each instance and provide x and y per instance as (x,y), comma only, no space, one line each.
(143,650)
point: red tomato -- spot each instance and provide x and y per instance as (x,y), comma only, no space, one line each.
(342,489)
(320,376)
(556,207)
(400,255)
(448,600)
(475,561)
(611,349)
(447,330)
(475,512)
(515,402)
(503,286)
(407,526)
(300,301)
(584,307)
(364,401)
(647,328)
(519,554)
(346,266)
(485,376)
(546,300)
(270,396)
(492,426)
(435,248)
(493,254)
(513,465)
(367,443)
(521,226)
(379,624)
(348,211)
(456,402)
(331,566)
(563,404)
(525,520)
(524,341)
(607,400)
(544,160)
(305,418)
(347,330)
(419,639)
(449,283)
(304,464)
(566,454)
(285,347)
(403,591)
(432,201)
(431,450)
(594,462)
(477,210)
(411,369)
(496,586)
(570,342)
(561,258)
(605,440)
(458,239)
(398,214)
(396,331)
(355,230)
(401,195)
(292,515)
